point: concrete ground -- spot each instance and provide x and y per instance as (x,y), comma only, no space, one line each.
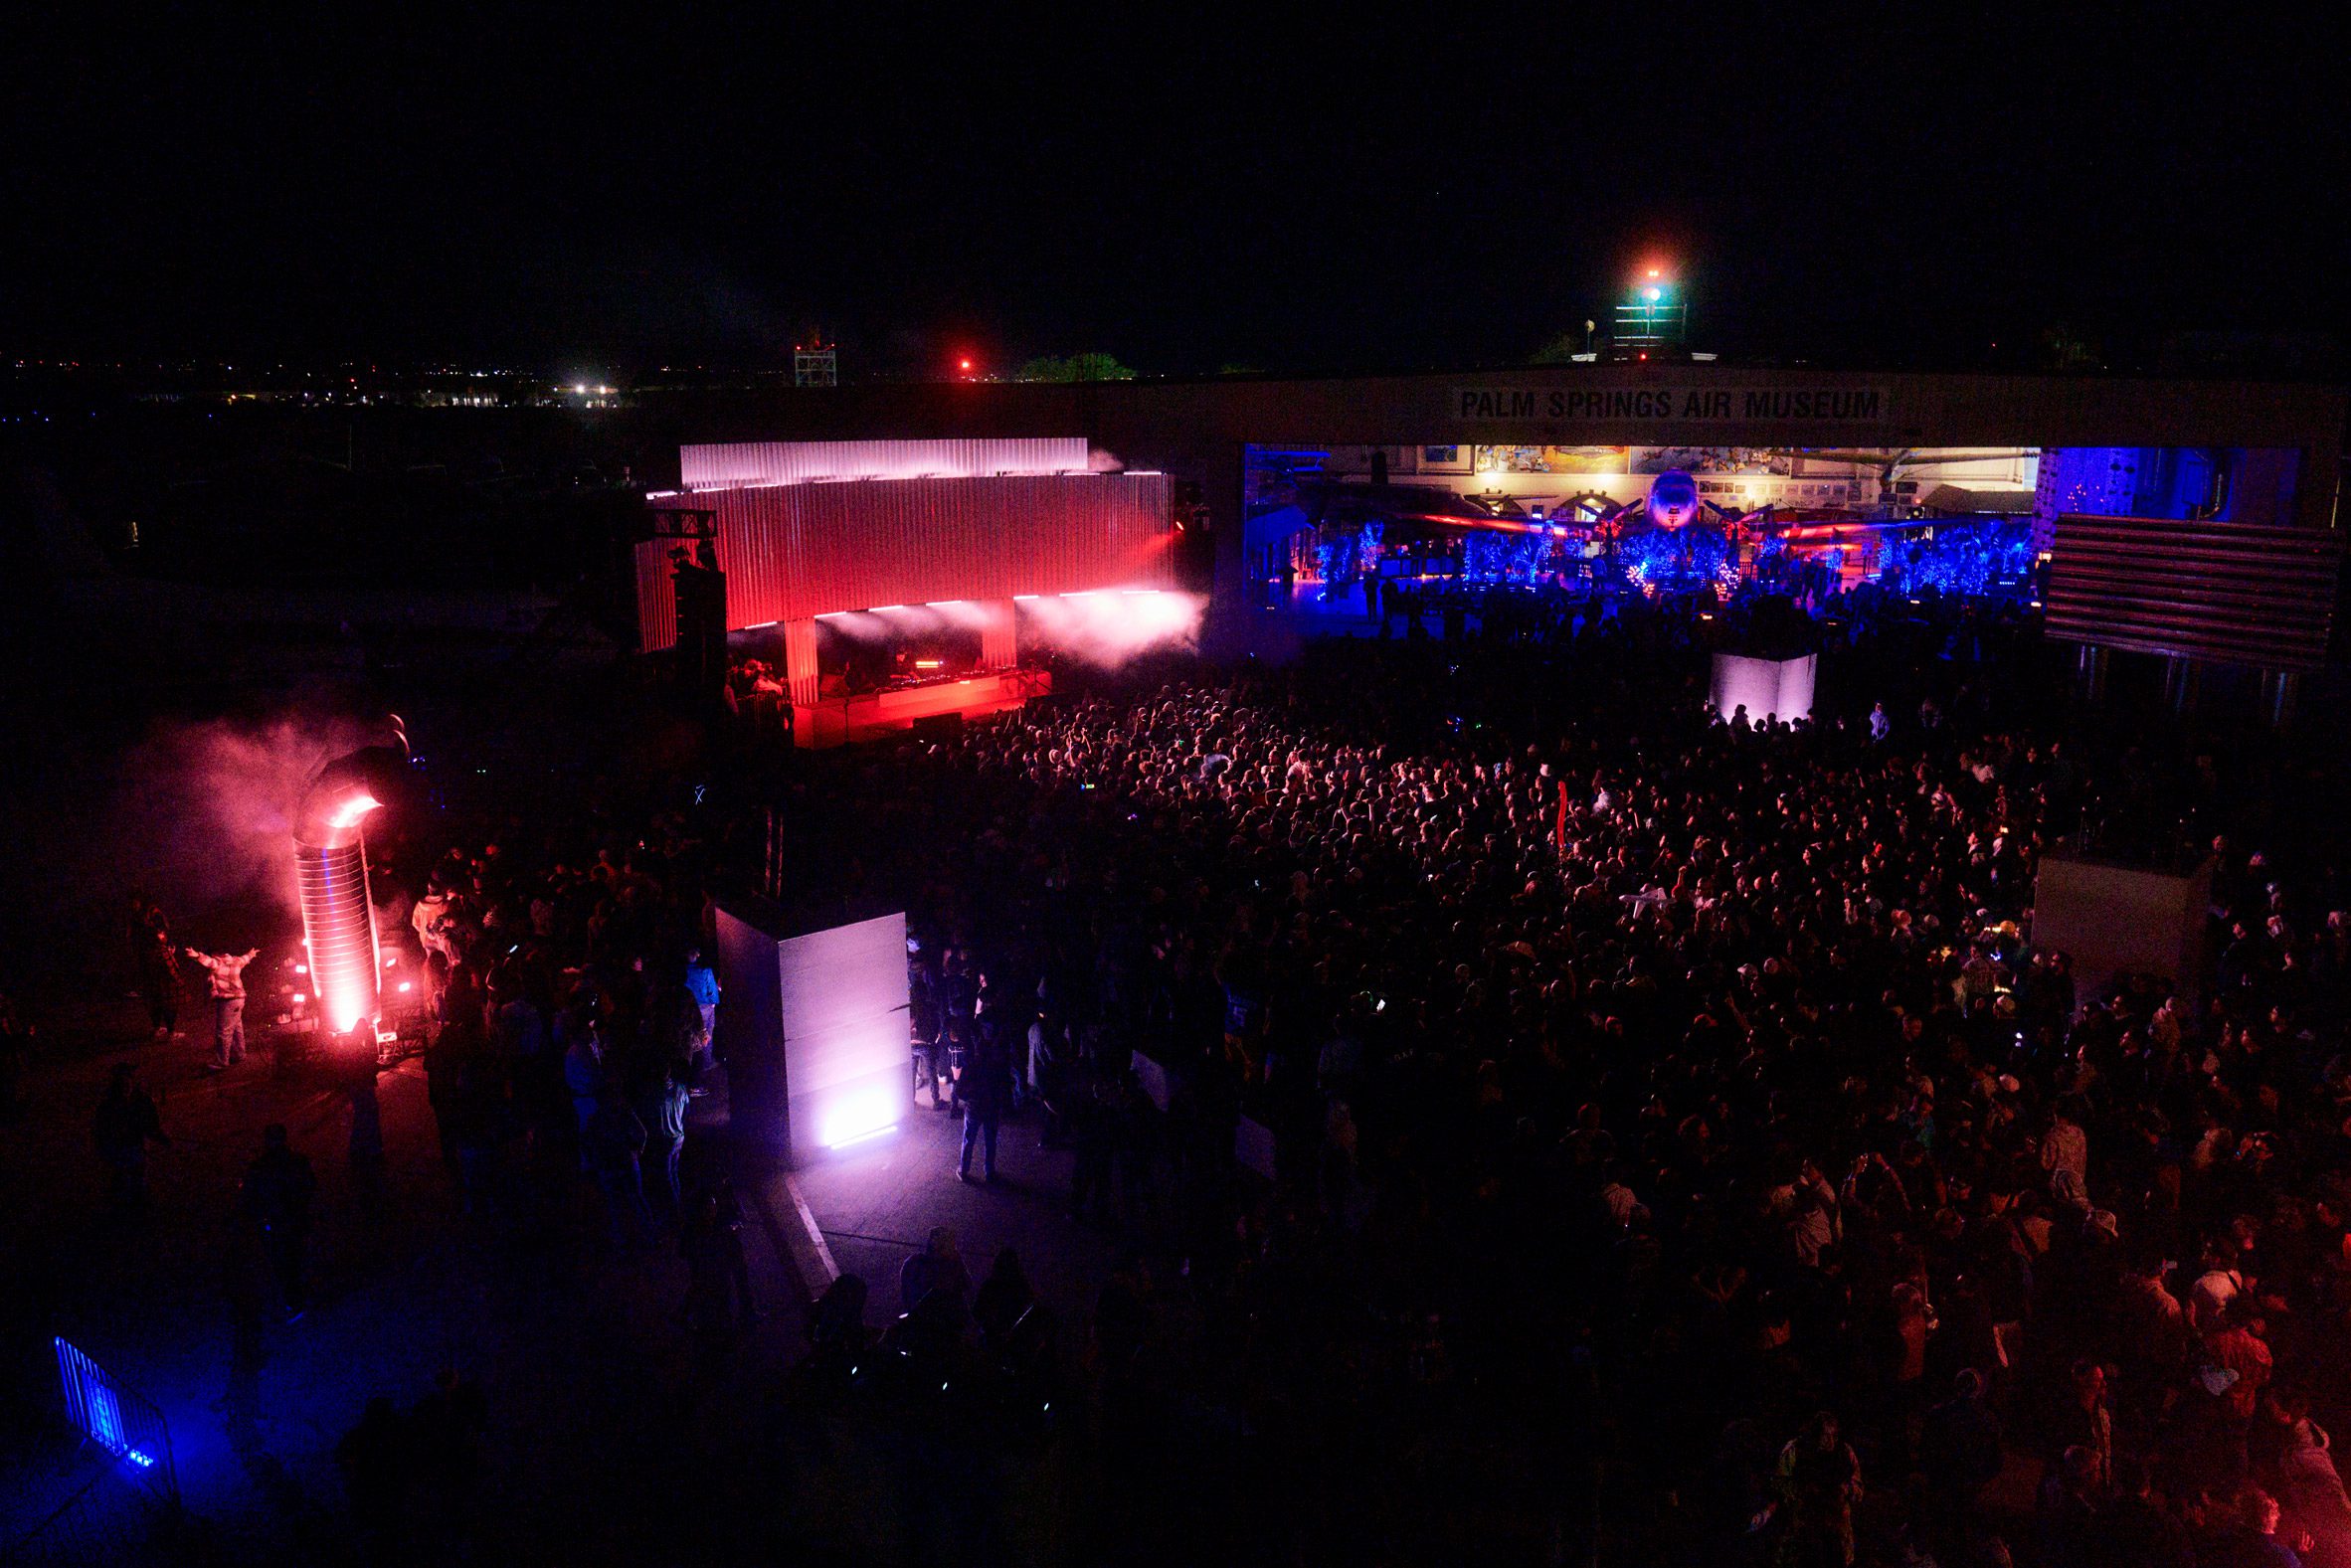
(613,1434)
(601,1409)
(876,1202)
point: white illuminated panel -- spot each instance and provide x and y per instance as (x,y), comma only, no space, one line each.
(814,1026)
(848,1060)
(732,463)
(1767,688)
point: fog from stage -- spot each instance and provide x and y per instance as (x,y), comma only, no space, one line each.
(1107,627)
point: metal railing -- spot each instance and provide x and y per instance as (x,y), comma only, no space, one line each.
(118,1419)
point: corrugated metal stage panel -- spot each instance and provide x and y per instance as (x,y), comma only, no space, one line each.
(656,595)
(733,463)
(800,550)
(2235,593)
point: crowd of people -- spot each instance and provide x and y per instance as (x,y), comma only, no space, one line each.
(1688,1092)
(1676,1135)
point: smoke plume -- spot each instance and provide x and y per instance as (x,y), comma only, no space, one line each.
(203,818)
(1112,626)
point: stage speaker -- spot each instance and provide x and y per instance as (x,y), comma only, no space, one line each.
(938,727)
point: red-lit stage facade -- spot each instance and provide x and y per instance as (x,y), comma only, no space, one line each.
(874,534)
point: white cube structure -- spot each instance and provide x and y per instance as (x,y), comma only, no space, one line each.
(818,1048)
(1767,688)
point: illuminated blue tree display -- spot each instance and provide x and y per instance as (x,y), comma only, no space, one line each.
(1505,558)
(1961,558)
(1682,560)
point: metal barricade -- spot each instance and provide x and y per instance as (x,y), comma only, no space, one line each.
(118,1419)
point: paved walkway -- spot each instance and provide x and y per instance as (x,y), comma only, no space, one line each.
(605,1422)
(877,1201)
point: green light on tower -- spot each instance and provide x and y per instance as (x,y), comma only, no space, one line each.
(1653,313)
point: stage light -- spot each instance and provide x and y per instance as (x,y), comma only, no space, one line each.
(1653,271)
(404,984)
(1653,294)
(962,364)
(300,998)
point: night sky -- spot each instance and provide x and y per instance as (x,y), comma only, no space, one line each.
(1182,193)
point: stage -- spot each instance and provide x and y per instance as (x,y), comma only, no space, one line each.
(867,716)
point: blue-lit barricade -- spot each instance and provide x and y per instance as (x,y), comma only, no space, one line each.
(118,1419)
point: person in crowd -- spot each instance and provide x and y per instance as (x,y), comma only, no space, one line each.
(660,1103)
(15,1049)
(701,982)
(275,1197)
(938,1266)
(159,975)
(614,1142)
(1003,1297)
(125,1123)
(984,1089)
(585,1075)
(225,973)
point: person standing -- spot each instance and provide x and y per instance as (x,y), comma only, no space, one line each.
(245,1285)
(227,973)
(159,977)
(366,1148)
(703,982)
(662,1106)
(125,1124)
(279,1186)
(983,1089)
(612,1142)
(583,1071)
(938,1266)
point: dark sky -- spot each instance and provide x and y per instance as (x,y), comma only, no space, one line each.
(572,190)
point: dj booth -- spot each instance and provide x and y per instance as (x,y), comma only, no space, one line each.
(869,714)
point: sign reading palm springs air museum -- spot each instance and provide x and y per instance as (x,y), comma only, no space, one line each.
(1679,405)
